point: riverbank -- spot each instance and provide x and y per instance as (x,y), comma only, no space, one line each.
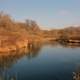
(11,44)
(18,35)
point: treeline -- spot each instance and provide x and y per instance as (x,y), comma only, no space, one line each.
(70,33)
(7,23)
(13,30)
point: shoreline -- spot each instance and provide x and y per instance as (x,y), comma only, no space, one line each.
(23,45)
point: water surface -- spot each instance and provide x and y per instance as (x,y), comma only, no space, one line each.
(43,62)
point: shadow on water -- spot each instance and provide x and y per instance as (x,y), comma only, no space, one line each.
(69,45)
(7,61)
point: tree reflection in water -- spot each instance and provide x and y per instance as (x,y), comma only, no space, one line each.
(34,50)
(7,60)
(70,45)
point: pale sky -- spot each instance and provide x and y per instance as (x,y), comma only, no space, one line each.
(48,13)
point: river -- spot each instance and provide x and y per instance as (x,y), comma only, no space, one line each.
(43,62)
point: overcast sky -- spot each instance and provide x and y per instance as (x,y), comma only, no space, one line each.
(48,13)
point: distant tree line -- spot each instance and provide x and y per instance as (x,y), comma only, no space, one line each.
(31,28)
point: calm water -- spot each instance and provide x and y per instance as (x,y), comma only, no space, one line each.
(43,62)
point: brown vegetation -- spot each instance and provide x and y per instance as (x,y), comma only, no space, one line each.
(15,35)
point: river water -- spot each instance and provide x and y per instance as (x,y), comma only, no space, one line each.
(43,62)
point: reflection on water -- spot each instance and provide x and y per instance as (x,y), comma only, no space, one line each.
(70,45)
(6,61)
(11,65)
(34,50)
